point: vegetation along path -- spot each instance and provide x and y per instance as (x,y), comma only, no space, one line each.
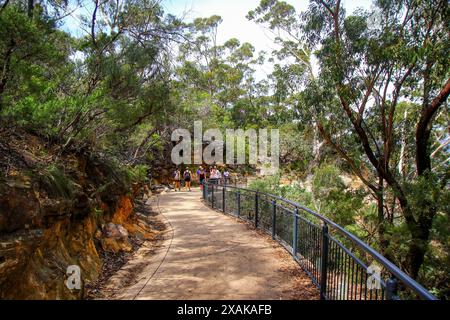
(208,255)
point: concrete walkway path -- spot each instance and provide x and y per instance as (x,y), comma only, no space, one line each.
(209,255)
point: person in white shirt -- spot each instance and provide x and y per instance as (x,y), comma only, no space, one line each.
(218,175)
(226,176)
(177,178)
(213,175)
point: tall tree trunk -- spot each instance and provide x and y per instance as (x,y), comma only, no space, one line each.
(384,243)
(4,5)
(401,163)
(30,8)
(420,227)
(423,130)
(6,69)
(317,148)
(420,233)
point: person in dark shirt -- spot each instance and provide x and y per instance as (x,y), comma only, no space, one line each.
(187,178)
(201,175)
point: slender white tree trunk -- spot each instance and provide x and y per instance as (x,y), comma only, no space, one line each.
(401,163)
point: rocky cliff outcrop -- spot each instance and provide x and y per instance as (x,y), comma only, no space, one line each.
(57,210)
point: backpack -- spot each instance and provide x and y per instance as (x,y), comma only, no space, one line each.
(187,175)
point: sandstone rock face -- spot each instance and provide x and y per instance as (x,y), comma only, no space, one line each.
(43,242)
(115,238)
(18,206)
(52,218)
(111,230)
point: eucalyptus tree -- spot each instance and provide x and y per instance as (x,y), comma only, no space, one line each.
(122,75)
(107,87)
(218,79)
(293,67)
(33,58)
(370,62)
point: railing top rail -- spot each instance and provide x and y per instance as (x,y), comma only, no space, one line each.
(399,274)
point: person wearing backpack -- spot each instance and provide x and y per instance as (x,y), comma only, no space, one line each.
(201,175)
(177,178)
(226,176)
(187,178)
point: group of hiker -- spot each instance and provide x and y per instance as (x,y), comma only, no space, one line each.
(215,176)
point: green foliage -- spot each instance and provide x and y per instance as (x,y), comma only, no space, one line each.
(33,56)
(329,196)
(426,193)
(270,184)
(97,213)
(56,182)
(333,198)
(138,174)
(326,179)
(296,150)
(437,261)
(117,89)
(381,55)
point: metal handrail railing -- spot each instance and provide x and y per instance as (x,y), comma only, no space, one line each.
(337,270)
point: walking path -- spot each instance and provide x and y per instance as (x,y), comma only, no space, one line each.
(209,255)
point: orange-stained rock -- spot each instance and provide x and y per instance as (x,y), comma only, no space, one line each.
(116,245)
(43,231)
(123,211)
(110,244)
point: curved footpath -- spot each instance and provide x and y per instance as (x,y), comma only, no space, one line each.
(209,255)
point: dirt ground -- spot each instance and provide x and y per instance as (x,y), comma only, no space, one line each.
(204,254)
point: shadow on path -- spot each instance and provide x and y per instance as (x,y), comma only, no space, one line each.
(209,255)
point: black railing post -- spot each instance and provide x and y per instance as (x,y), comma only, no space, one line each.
(327,251)
(324,263)
(295,233)
(392,289)
(274,218)
(204,190)
(256,208)
(238,203)
(223,198)
(212,196)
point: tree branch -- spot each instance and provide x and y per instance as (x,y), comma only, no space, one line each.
(344,155)
(4,5)
(423,129)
